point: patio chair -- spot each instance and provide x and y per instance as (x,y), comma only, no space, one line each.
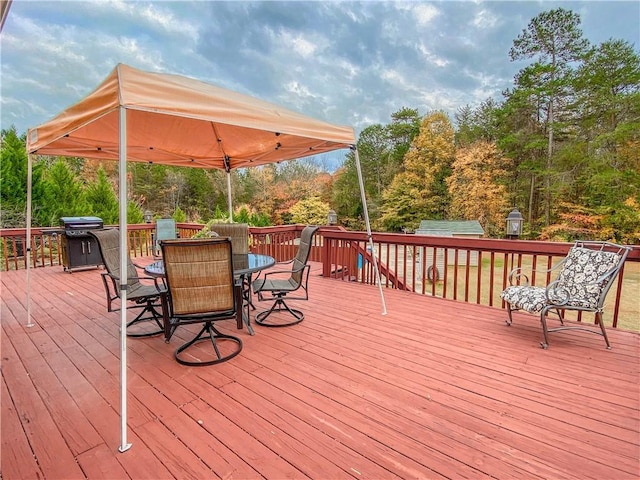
(239,235)
(143,296)
(237,232)
(585,276)
(201,289)
(273,286)
(165,230)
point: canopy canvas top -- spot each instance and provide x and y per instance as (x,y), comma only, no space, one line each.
(180,121)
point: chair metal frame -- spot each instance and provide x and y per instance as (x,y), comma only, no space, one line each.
(279,288)
(201,288)
(145,297)
(559,295)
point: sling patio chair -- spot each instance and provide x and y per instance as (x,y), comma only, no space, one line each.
(237,232)
(239,235)
(293,286)
(143,296)
(166,229)
(201,289)
(584,277)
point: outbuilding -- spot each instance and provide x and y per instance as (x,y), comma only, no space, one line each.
(451,228)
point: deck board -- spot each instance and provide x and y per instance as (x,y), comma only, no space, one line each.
(433,389)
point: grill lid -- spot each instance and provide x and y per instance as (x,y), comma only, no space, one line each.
(79,225)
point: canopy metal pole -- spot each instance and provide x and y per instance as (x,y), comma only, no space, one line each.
(230,205)
(368,224)
(28,239)
(227,168)
(124,256)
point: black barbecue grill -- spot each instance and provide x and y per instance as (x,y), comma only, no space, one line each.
(79,249)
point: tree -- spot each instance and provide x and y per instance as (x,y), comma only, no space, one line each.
(522,137)
(147,184)
(310,211)
(374,150)
(13,179)
(381,149)
(420,192)
(608,85)
(102,199)
(609,100)
(134,213)
(555,39)
(404,126)
(478,123)
(477,186)
(346,199)
(64,194)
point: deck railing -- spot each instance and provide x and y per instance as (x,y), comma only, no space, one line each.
(461,269)
(468,270)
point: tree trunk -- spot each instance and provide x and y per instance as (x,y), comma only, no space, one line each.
(547,176)
(531,194)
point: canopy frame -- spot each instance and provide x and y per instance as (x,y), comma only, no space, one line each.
(120,121)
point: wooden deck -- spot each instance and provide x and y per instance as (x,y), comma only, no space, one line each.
(434,389)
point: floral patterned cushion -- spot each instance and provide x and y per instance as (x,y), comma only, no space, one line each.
(579,275)
(576,286)
(531,299)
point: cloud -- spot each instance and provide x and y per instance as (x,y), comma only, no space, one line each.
(350,63)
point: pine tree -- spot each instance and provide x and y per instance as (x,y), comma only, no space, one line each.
(102,199)
(64,194)
(555,40)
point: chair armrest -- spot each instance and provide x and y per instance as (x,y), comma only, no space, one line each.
(285,262)
(115,280)
(288,272)
(263,272)
(516,277)
(557,293)
(517,274)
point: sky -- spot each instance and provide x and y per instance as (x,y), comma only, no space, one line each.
(347,63)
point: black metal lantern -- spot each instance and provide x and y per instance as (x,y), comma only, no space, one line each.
(148,216)
(332,217)
(515,221)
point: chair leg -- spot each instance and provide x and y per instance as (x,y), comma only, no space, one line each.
(604,332)
(545,330)
(153,315)
(510,320)
(209,332)
(279,306)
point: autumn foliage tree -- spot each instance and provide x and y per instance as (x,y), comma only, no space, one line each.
(477,187)
(420,191)
(310,211)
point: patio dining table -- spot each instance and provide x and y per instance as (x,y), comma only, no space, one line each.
(244,266)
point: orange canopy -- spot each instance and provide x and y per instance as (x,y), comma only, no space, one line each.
(175,120)
(151,117)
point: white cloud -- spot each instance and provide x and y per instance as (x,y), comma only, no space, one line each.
(422,12)
(299,44)
(485,19)
(431,57)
